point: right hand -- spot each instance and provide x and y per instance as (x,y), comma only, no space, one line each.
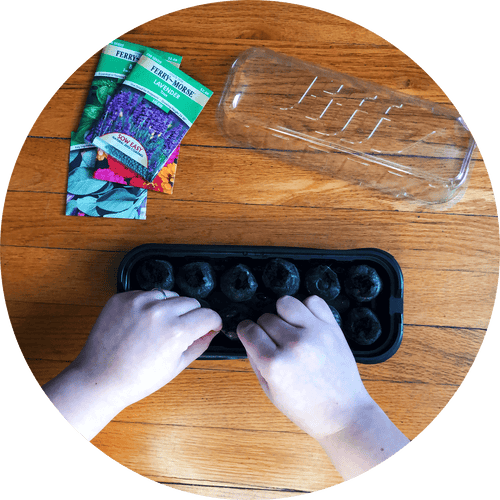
(305,366)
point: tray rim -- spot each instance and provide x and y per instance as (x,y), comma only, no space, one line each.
(383,258)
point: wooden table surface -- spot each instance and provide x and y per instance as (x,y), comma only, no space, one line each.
(212,431)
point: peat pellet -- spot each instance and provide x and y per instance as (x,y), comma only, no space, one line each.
(238,283)
(323,282)
(196,279)
(362,283)
(204,304)
(363,326)
(342,303)
(232,316)
(154,273)
(336,315)
(281,277)
(262,303)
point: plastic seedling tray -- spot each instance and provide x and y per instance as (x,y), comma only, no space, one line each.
(387,305)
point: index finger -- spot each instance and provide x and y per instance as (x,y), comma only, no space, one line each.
(199,322)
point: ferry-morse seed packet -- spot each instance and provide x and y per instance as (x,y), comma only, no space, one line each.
(116,61)
(110,169)
(91,197)
(145,121)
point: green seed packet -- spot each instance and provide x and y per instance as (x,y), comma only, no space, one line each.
(115,63)
(149,114)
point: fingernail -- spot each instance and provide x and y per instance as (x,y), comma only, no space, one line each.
(210,333)
(244,325)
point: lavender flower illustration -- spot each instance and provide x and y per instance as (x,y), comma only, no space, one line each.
(158,131)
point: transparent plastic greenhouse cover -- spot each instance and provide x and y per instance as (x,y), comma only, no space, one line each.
(348,128)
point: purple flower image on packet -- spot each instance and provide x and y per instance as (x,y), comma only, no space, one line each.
(116,61)
(149,115)
(135,120)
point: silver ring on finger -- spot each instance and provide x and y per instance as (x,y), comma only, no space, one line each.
(165,296)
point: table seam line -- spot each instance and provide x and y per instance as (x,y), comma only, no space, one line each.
(252,488)
(209,427)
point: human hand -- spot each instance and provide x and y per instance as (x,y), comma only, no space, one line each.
(142,340)
(305,366)
(139,343)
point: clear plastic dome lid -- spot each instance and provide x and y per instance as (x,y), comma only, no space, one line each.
(345,127)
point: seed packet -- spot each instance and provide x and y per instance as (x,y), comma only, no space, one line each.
(115,63)
(89,197)
(86,196)
(110,169)
(145,121)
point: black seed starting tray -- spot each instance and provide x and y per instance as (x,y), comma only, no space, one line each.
(237,282)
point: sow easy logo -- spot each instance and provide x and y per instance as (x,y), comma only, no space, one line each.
(128,145)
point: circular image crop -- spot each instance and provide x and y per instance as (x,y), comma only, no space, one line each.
(265,161)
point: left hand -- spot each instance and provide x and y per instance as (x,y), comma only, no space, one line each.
(142,340)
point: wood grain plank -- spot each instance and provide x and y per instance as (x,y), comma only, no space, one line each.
(440,298)
(59,276)
(233,175)
(308,25)
(416,240)
(191,454)
(54,332)
(173,452)
(434,355)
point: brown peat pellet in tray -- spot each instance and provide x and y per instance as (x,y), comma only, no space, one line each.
(154,273)
(281,277)
(362,326)
(362,287)
(323,281)
(363,283)
(238,283)
(196,279)
(336,315)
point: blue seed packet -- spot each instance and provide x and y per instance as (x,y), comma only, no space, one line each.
(89,197)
